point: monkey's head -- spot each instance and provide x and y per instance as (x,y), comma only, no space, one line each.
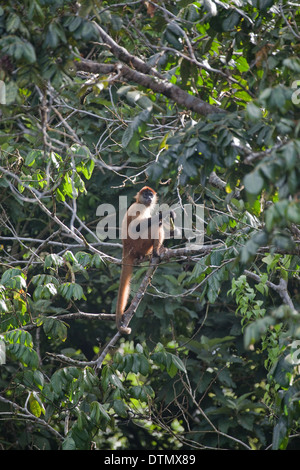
(146,196)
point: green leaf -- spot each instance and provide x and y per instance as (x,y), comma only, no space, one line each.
(3,306)
(242,64)
(22,352)
(256,330)
(231,21)
(29,53)
(292,63)
(293,212)
(127,136)
(254,182)
(83,258)
(144,366)
(88,31)
(35,405)
(52,36)
(253,112)
(88,168)
(12,23)
(114,380)
(44,292)
(39,378)
(116,22)
(172,370)
(55,328)
(69,444)
(73,23)
(70,290)
(98,412)
(280,435)
(68,255)
(9,275)
(53,260)
(160,358)
(44,279)
(136,129)
(173,35)
(78,292)
(178,363)
(213,287)
(120,408)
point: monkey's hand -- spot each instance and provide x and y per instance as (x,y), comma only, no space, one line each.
(172,218)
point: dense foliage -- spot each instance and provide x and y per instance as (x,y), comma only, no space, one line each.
(198,100)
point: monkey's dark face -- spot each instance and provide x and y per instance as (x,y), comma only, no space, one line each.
(146,196)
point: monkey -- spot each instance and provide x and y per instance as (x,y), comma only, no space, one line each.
(142,235)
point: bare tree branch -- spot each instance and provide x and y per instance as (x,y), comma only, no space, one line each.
(280,288)
(122,54)
(136,70)
(158,85)
(23,413)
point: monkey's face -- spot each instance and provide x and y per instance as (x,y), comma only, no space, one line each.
(146,196)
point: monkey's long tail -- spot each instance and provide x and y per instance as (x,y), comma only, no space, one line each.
(123,294)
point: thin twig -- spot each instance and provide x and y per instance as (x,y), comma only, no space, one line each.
(280,288)
(21,412)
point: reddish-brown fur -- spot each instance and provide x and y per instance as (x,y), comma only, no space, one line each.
(135,249)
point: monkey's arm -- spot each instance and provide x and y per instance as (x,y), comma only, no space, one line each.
(156,220)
